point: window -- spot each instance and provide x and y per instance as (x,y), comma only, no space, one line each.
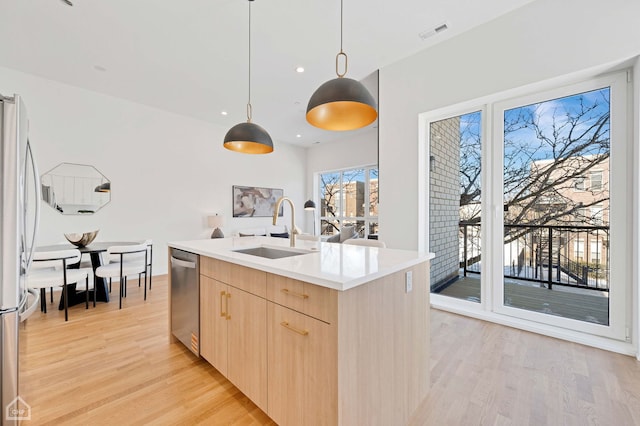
(579,185)
(597,215)
(349,198)
(578,250)
(596,249)
(596,180)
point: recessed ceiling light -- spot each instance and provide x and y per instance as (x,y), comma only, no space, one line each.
(300,69)
(224,113)
(298,136)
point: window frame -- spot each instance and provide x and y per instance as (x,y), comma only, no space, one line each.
(342,216)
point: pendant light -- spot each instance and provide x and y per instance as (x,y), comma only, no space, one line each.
(248,138)
(341,103)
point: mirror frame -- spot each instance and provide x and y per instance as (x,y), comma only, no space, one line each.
(71,191)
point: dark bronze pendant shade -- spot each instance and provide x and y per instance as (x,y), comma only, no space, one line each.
(341,103)
(248,137)
(105,187)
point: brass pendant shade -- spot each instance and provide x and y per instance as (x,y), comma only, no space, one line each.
(341,104)
(248,138)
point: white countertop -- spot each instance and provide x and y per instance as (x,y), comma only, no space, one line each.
(332,265)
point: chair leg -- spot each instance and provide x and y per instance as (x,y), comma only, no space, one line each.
(66,302)
(43,300)
(121,288)
(51,291)
(86,293)
(140,279)
(145,283)
(109,285)
(150,274)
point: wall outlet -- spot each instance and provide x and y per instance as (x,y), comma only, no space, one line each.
(408,281)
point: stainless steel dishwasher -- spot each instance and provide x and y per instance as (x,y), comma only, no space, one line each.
(185,298)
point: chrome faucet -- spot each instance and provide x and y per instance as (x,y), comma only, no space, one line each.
(294,230)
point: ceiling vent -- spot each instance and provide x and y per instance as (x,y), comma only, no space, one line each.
(437,30)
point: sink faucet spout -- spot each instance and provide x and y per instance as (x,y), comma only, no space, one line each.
(294,230)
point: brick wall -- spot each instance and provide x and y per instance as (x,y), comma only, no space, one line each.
(444,199)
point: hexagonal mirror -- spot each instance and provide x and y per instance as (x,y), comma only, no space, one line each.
(75,189)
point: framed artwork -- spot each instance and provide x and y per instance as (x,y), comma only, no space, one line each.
(252,201)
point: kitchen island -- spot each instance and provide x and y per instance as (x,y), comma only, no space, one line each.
(326,334)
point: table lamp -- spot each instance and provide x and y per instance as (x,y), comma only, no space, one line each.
(215,222)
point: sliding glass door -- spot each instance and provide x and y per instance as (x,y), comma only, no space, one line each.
(559,150)
(530,210)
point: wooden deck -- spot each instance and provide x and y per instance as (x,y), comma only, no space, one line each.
(583,305)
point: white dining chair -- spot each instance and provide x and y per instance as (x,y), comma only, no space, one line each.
(131,260)
(149,270)
(365,242)
(51,270)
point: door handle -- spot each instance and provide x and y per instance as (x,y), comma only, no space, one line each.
(183,263)
(222,312)
(38,195)
(293,293)
(285,324)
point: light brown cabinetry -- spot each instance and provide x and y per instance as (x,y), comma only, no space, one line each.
(213,323)
(233,331)
(307,354)
(302,368)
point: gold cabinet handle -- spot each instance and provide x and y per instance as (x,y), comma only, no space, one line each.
(285,324)
(228,296)
(293,293)
(222,312)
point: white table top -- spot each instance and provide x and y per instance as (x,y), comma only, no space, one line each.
(332,265)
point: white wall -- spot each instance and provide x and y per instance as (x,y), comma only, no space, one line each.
(542,40)
(168,172)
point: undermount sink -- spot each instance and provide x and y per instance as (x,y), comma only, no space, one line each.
(271,253)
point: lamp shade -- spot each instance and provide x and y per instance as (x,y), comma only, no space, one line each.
(215,221)
(309,205)
(248,138)
(341,104)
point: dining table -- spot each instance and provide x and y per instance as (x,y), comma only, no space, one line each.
(94,249)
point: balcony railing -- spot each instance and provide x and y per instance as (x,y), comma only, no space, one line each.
(566,255)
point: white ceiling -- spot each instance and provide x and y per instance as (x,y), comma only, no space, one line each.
(190,57)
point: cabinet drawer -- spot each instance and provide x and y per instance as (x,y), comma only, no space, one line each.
(302,372)
(313,300)
(247,279)
(215,269)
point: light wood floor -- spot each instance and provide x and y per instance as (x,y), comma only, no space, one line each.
(108,366)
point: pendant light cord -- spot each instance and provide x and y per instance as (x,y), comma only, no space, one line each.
(341,51)
(341,13)
(249,101)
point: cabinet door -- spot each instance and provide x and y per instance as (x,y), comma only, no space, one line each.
(302,365)
(213,323)
(248,345)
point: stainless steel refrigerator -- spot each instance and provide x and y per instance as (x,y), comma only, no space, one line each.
(19,215)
